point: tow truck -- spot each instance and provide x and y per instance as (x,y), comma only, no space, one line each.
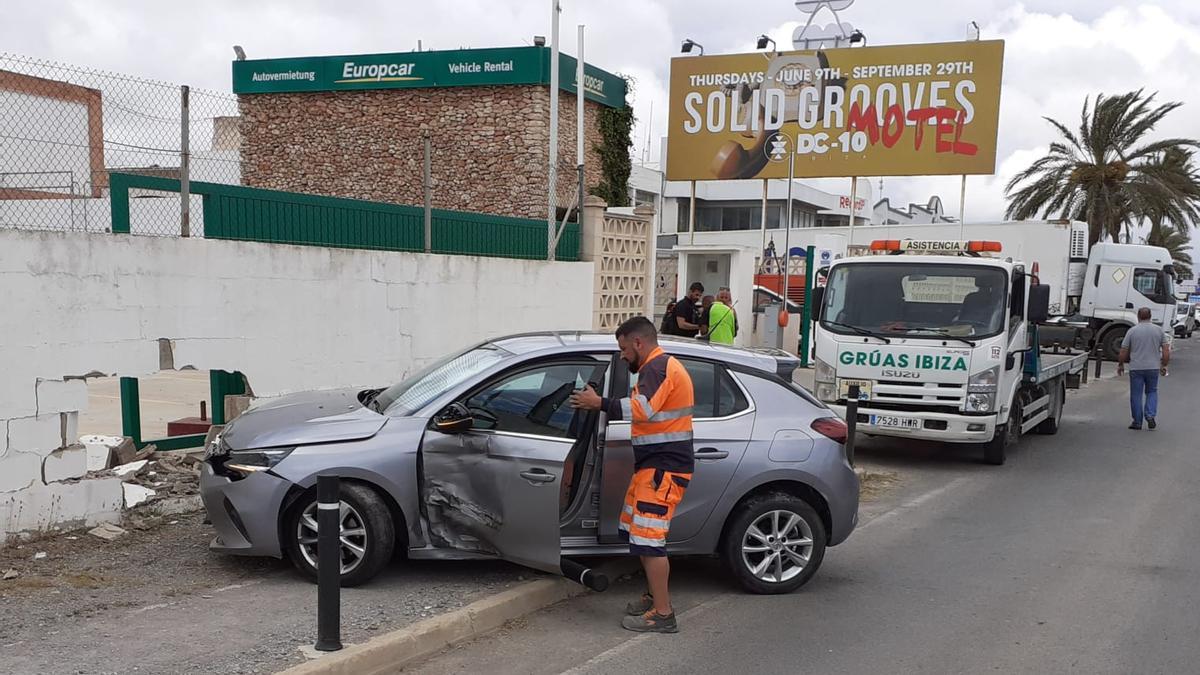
(940,339)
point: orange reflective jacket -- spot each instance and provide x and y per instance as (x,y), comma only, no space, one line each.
(660,412)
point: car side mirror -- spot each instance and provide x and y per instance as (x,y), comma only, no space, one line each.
(818,301)
(455,419)
(1039,303)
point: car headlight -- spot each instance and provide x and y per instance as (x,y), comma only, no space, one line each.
(826,392)
(823,372)
(984,381)
(981,402)
(250,461)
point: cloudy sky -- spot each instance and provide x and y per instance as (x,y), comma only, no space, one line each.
(1058,51)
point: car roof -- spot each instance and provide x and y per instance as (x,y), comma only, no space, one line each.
(558,342)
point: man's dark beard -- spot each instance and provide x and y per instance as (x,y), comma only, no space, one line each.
(635,364)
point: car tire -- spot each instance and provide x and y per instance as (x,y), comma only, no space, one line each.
(1110,342)
(995,451)
(368,547)
(761,512)
(1058,399)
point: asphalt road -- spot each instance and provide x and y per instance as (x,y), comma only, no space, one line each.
(1081,555)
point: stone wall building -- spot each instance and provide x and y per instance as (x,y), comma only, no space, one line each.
(489,141)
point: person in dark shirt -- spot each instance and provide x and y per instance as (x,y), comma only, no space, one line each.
(687,312)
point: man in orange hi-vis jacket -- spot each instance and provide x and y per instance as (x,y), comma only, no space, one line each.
(660,412)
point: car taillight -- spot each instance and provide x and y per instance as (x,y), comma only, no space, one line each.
(832,428)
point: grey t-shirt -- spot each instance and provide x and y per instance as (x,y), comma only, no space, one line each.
(1144,342)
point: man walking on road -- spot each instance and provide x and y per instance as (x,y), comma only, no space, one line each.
(1147,352)
(660,412)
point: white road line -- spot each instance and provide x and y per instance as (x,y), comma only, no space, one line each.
(147,608)
(915,502)
(633,642)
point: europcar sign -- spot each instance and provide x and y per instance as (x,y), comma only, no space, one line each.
(872,111)
(459,68)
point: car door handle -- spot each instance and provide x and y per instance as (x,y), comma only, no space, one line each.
(711,453)
(538,476)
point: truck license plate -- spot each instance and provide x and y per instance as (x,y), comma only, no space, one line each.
(891,422)
(864,389)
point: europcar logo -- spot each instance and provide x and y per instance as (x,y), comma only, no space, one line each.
(377,72)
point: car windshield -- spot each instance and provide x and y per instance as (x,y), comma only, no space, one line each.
(416,391)
(915,298)
(1183,308)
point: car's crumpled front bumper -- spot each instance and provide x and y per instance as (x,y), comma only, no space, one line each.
(245,513)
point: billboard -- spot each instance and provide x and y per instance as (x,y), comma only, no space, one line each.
(414,70)
(903,110)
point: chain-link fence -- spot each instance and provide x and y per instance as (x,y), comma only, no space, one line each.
(64,128)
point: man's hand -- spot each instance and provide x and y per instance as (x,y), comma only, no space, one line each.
(1163,371)
(1120,369)
(586,399)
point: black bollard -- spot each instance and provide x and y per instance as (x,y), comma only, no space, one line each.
(329,564)
(1099,361)
(851,421)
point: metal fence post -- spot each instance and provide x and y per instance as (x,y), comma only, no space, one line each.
(131,411)
(428,182)
(185,155)
(1099,359)
(329,564)
(851,421)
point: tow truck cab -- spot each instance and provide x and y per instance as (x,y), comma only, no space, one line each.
(942,347)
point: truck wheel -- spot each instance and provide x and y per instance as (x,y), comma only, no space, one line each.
(368,534)
(1058,398)
(995,451)
(773,543)
(1110,342)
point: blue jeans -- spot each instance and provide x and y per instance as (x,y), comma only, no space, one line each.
(1139,381)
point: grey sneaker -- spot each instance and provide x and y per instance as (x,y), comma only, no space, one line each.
(651,622)
(641,606)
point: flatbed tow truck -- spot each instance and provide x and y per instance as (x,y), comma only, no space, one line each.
(941,340)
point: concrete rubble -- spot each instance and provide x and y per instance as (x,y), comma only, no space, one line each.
(107,531)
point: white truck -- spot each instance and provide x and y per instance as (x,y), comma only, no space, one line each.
(1099,289)
(941,347)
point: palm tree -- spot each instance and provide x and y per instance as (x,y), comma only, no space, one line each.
(1108,174)
(1178,243)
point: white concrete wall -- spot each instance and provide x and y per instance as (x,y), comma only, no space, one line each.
(291,318)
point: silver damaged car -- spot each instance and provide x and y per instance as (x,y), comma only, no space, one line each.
(480,455)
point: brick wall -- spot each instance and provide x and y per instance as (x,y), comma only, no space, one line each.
(489,145)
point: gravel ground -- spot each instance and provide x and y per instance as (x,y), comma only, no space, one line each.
(157,601)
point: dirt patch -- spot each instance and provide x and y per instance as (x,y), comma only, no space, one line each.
(81,575)
(872,483)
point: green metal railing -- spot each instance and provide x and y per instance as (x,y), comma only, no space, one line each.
(220,384)
(252,214)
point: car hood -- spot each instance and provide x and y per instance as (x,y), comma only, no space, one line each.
(303,419)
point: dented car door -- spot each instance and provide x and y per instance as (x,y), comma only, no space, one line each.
(495,488)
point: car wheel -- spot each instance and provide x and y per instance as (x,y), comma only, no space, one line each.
(368,534)
(1058,399)
(774,543)
(1110,343)
(995,451)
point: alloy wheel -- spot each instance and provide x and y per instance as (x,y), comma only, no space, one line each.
(777,546)
(353,536)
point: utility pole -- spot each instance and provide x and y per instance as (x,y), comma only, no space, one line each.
(552,212)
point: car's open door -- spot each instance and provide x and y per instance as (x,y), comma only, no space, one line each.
(492,462)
